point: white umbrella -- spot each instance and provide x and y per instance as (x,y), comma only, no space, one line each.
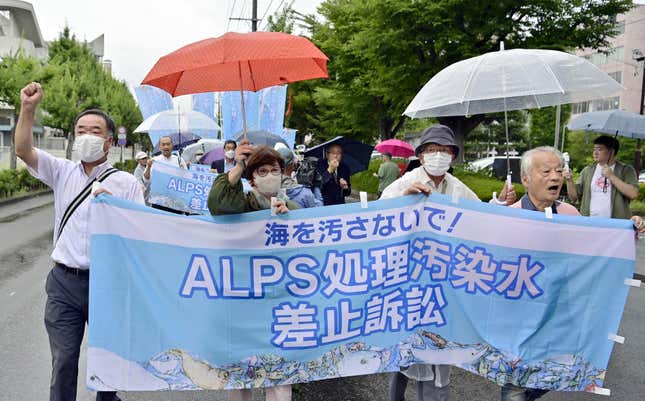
(203,145)
(175,121)
(510,80)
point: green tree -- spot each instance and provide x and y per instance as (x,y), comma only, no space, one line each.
(383,51)
(74,81)
(542,125)
(16,71)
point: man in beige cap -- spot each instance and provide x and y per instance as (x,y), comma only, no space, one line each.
(142,161)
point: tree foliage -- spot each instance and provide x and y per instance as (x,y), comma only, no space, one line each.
(73,81)
(16,71)
(383,51)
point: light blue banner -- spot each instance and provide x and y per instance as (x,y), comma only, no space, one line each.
(152,100)
(272,101)
(206,302)
(232,113)
(205,103)
(181,189)
(289,135)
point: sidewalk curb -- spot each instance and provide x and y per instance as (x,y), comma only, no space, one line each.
(16,199)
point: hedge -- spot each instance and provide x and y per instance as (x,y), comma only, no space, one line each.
(14,182)
(480,182)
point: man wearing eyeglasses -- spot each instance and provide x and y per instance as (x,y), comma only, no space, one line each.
(436,152)
(67,285)
(605,187)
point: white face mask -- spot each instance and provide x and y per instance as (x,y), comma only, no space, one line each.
(229,154)
(89,147)
(437,163)
(269,184)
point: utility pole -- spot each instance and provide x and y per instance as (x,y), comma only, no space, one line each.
(254,17)
(638,56)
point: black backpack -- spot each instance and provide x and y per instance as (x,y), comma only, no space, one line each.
(307,172)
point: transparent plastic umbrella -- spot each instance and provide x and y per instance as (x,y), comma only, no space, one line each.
(616,122)
(179,122)
(510,80)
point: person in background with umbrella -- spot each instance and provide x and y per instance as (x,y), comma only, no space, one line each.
(335,176)
(387,173)
(436,152)
(228,162)
(166,156)
(605,187)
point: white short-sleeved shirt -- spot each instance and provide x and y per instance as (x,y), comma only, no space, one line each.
(173,160)
(600,202)
(450,185)
(67,179)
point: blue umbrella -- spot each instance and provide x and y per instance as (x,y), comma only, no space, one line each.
(179,141)
(356,155)
(613,122)
(260,138)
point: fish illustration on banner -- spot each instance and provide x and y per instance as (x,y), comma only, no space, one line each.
(343,290)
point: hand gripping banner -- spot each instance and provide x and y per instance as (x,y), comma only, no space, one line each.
(254,300)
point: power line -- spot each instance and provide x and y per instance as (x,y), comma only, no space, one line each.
(230,15)
(266,11)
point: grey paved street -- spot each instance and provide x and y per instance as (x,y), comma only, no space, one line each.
(25,244)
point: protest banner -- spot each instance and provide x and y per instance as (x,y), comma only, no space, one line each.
(181,189)
(254,300)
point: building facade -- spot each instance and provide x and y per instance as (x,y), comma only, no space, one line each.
(620,63)
(19,31)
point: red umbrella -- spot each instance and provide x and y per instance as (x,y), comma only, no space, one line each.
(395,147)
(238,61)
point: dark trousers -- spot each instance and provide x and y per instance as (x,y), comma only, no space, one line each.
(426,390)
(66,313)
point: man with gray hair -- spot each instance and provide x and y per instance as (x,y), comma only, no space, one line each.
(542,171)
(542,176)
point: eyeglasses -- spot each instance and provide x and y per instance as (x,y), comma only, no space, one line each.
(437,148)
(262,171)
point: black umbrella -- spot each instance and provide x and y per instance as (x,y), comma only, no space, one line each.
(179,141)
(356,155)
(260,137)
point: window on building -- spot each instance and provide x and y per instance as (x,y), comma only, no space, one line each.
(617,54)
(581,107)
(617,76)
(610,103)
(620,27)
(5,120)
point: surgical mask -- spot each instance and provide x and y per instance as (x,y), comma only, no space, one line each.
(229,154)
(269,184)
(89,147)
(437,163)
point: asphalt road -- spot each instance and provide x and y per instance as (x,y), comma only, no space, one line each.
(25,244)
